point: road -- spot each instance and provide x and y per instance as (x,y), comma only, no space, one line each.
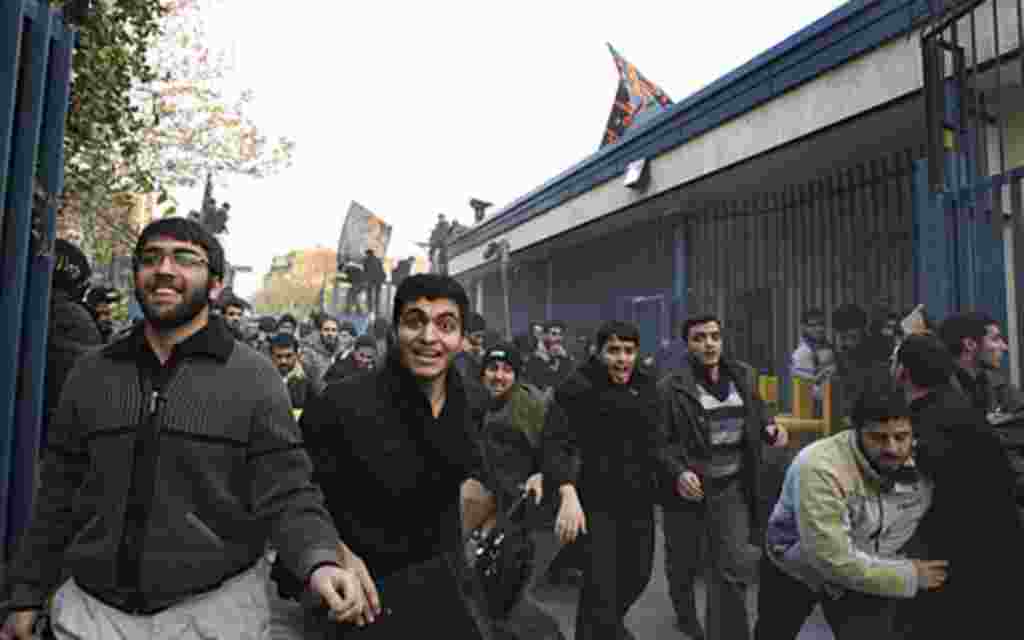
(652,615)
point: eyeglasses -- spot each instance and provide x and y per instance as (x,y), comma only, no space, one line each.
(184,258)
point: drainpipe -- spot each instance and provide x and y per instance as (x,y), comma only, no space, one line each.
(1011,228)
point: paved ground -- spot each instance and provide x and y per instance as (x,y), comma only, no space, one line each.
(652,615)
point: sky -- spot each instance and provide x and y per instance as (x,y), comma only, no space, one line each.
(411,109)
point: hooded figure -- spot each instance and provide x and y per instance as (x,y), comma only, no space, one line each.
(73,331)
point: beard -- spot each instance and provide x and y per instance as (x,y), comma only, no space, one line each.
(330,343)
(181,314)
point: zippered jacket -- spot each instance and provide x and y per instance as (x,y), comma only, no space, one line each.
(225,472)
(840,526)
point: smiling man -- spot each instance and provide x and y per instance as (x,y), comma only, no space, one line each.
(172,462)
(394,449)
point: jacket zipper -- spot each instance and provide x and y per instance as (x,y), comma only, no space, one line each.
(881,525)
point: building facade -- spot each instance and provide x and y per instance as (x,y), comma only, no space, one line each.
(805,178)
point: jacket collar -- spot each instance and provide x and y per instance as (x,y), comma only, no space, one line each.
(214,341)
(684,380)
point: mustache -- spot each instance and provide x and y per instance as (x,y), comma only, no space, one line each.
(162,282)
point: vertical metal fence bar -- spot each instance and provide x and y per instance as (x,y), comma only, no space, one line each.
(28,120)
(12,15)
(1000,107)
(29,416)
(1012,228)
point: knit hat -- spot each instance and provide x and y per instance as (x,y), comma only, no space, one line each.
(365,340)
(72,271)
(505,352)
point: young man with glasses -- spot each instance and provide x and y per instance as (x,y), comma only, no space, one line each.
(172,461)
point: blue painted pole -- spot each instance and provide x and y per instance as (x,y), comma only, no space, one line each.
(28,116)
(29,416)
(12,15)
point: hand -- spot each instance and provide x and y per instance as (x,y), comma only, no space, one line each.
(931,574)
(780,434)
(340,590)
(688,486)
(19,625)
(355,564)
(535,483)
(478,505)
(571,520)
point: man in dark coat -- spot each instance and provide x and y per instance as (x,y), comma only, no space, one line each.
(302,385)
(374,277)
(973,520)
(512,434)
(72,330)
(603,451)
(395,449)
(716,424)
(363,357)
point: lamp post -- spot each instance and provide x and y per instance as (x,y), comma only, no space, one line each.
(501,250)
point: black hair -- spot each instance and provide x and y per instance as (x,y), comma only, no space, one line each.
(283,341)
(960,326)
(287,318)
(324,317)
(700,318)
(879,400)
(366,340)
(625,331)
(432,286)
(553,324)
(475,322)
(927,360)
(811,314)
(183,230)
(849,316)
(267,324)
(380,328)
(102,295)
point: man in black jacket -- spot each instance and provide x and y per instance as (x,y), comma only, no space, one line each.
(172,461)
(716,424)
(603,451)
(973,519)
(395,449)
(73,332)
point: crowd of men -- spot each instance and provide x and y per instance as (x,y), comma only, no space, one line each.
(180,497)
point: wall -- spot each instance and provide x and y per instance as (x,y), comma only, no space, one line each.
(761,261)
(887,73)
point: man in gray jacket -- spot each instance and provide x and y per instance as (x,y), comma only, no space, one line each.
(173,460)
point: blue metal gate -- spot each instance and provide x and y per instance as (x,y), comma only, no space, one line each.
(35,69)
(967,196)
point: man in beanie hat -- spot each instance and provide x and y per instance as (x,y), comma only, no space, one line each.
(99,301)
(511,436)
(72,329)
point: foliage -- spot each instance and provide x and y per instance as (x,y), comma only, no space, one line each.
(298,287)
(148,112)
(103,125)
(199,129)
